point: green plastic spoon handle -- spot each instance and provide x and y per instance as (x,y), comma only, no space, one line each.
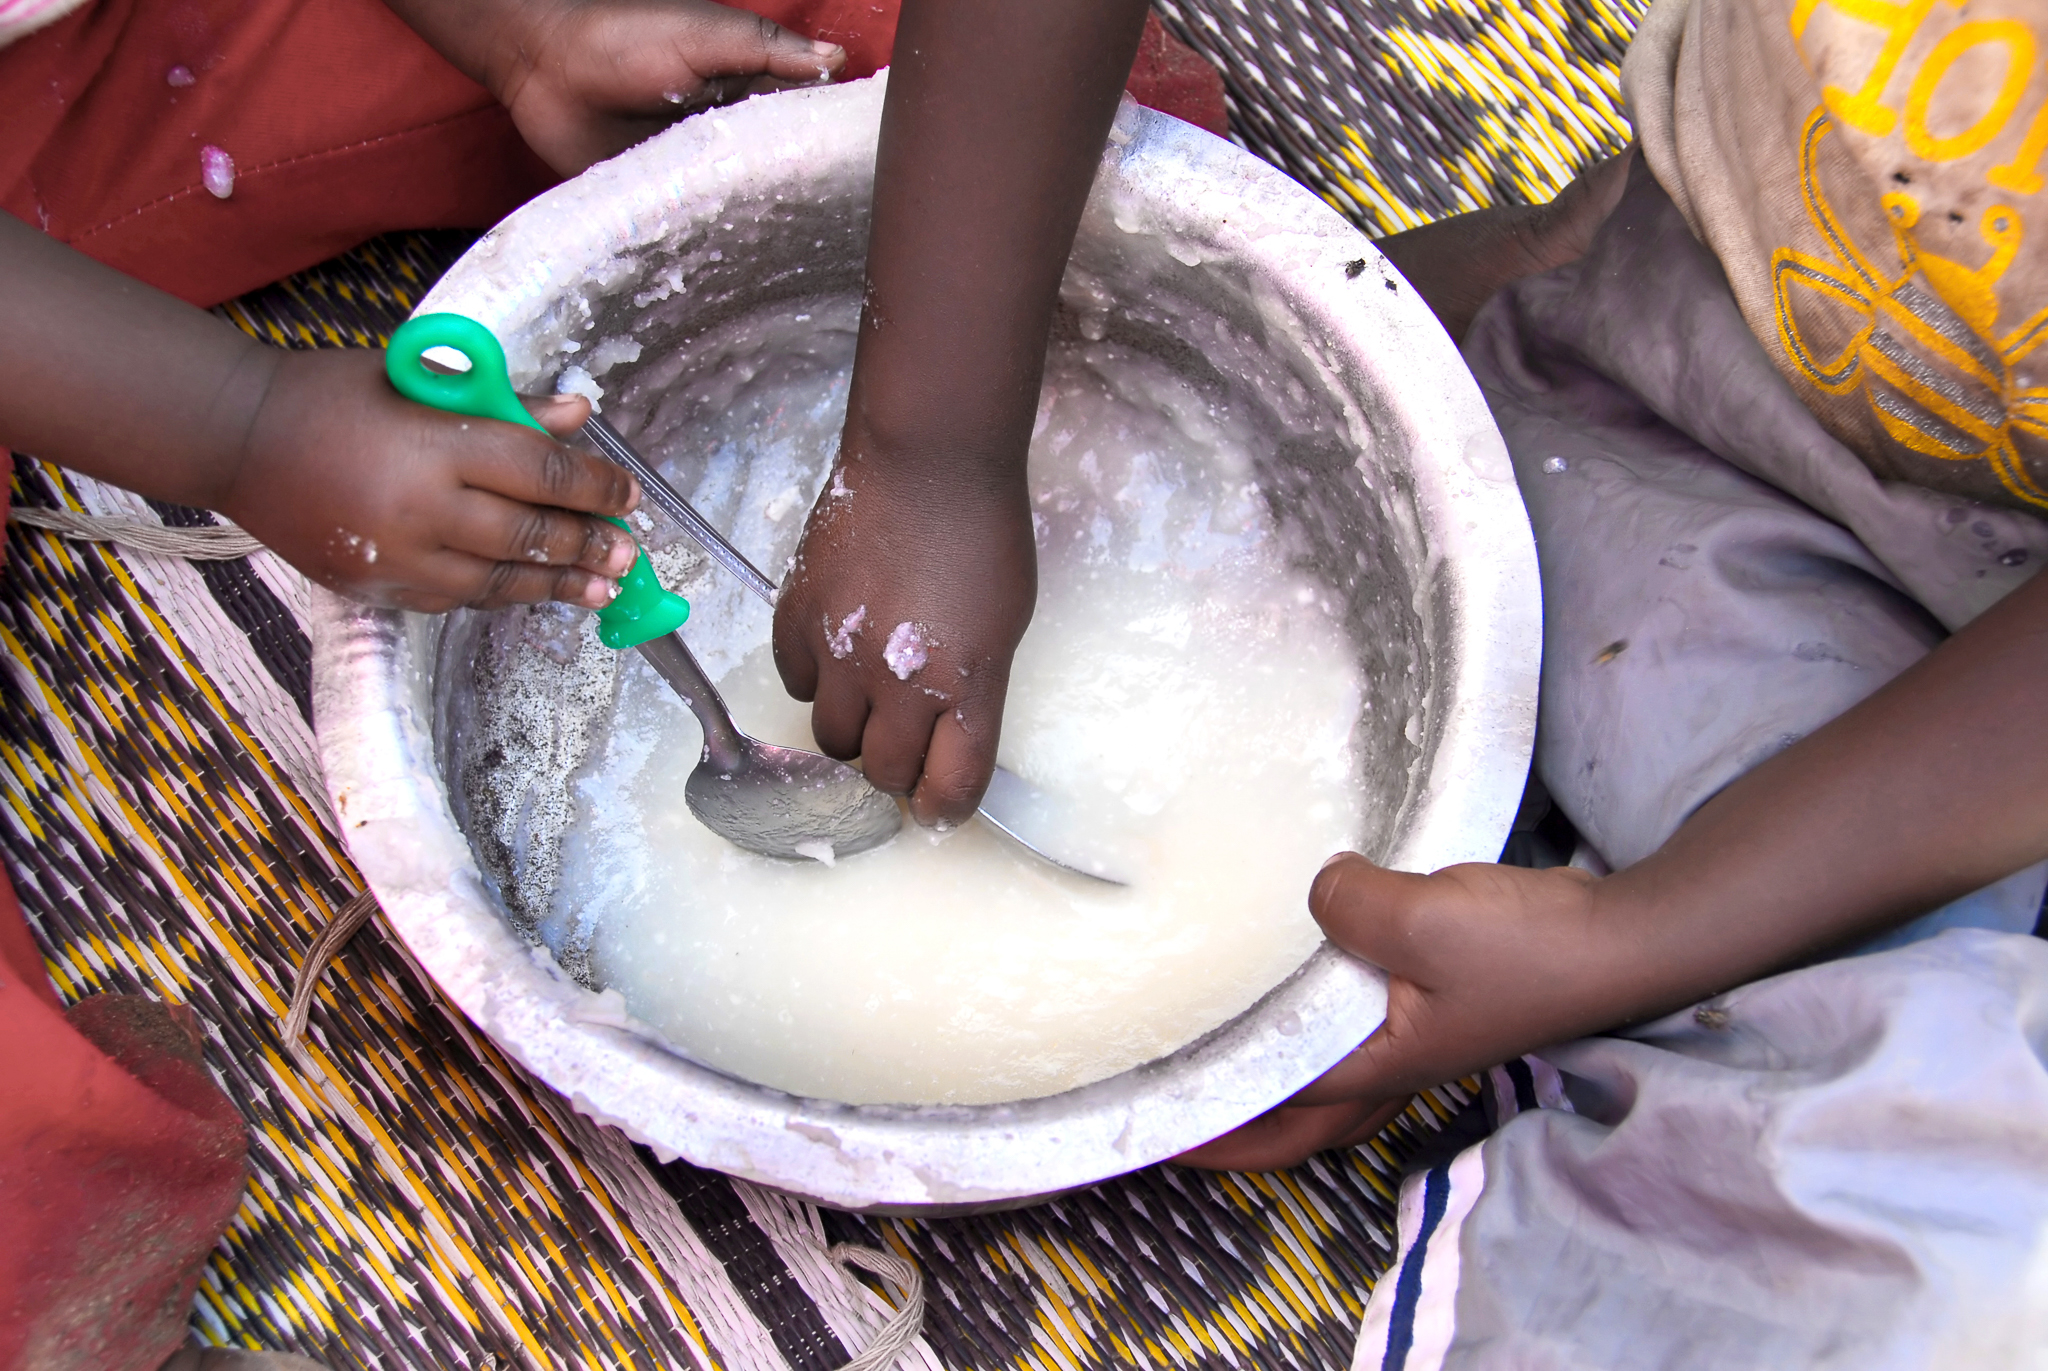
(482,392)
(642,609)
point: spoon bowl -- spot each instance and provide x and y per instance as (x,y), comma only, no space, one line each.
(777,801)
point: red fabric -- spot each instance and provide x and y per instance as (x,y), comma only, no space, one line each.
(120,1163)
(341,122)
(865,28)
(1173,78)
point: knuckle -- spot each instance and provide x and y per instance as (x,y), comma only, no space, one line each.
(558,468)
(568,585)
(495,588)
(598,538)
(530,536)
(956,786)
(952,790)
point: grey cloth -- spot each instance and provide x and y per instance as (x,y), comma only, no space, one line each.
(1842,1166)
(1720,576)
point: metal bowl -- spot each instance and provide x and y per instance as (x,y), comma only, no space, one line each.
(1382,456)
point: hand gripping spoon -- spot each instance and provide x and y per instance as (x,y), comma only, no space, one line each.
(778,801)
(1012,805)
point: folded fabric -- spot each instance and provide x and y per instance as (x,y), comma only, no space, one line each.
(120,1163)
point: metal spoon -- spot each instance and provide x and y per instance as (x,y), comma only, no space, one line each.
(778,801)
(1010,805)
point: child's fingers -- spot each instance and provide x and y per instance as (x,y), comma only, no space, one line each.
(895,741)
(526,467)
(1291,1134)
(1390,919)
(1483,961)
(500,530)
(790,637)
(839,715)
(957,768)
(486,584)
(445,579)
(1384,1064)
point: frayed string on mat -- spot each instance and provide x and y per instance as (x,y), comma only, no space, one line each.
(209,543)
(901,1330)
(346,923)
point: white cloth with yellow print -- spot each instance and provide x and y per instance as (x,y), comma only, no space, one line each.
(1870,175)
(1744,528)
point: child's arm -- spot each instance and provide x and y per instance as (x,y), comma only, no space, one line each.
(587,79)
(313,452)
(995,121)
(1935,786)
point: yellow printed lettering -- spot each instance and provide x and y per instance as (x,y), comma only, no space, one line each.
(1864,108)
(2022,174)
(2018,40)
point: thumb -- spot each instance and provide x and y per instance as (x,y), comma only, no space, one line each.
(723,41)
(1377,915)
(1381,917)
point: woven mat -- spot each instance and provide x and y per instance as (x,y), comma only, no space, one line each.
(1402,111)
(418,1201)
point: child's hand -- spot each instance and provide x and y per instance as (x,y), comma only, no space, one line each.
(586,79)
(395,503)
(601,75)
(313,452)
(1932,787)
(922,705)
(1483,962)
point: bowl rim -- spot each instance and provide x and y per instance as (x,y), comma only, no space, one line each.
(377,747)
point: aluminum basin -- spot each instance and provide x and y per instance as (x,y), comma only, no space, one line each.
(1381,453)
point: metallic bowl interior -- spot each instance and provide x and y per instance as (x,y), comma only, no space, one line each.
(1381,459)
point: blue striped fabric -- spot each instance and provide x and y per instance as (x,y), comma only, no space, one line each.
(1436,1194)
